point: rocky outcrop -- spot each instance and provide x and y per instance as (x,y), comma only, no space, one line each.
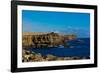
(29,56)
(44,40)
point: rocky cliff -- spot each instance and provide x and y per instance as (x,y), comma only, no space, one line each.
(44,40)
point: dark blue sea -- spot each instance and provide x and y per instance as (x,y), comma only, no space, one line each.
(78,47)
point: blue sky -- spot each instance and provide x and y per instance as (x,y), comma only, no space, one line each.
(59,22)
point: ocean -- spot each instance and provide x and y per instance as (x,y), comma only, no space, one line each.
(78,47)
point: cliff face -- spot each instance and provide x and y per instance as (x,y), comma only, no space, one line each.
(70,37)
(43,40)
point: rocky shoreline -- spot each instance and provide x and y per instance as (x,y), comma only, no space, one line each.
(45,40)
(28,56)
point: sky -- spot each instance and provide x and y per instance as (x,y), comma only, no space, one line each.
(59,22)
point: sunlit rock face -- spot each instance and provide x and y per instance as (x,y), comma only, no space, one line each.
(45,40)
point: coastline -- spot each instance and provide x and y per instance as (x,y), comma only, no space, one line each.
(42,47)
(29,56)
